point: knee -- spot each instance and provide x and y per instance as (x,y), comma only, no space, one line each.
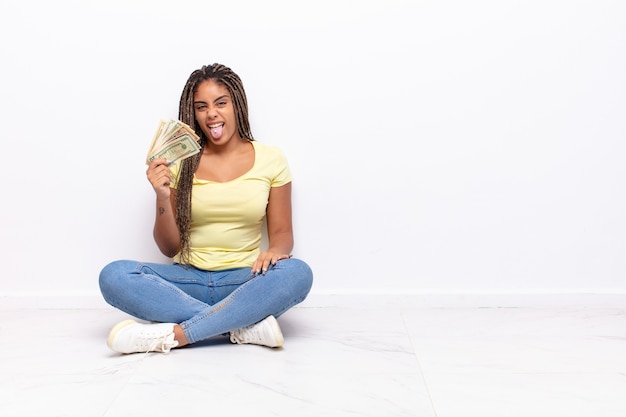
(111,277)
(303,273)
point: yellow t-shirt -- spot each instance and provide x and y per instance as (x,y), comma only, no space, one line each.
(227,217)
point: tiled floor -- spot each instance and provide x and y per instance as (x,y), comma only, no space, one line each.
(350,356)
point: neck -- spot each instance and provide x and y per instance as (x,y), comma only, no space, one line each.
(233,146)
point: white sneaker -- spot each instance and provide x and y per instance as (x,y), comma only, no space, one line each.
(264,333)
(132,337)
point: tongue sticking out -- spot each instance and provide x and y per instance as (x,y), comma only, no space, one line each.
(216,132)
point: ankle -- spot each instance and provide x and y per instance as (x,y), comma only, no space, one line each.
(179,336)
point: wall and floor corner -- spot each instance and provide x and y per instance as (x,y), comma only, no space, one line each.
(437,147)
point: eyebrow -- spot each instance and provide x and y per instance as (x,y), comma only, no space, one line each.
(217,99)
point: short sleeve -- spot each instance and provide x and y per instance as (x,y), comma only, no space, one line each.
(282,172)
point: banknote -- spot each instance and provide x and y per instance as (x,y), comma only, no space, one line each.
(173,140)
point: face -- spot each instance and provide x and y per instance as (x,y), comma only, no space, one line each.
(215,112)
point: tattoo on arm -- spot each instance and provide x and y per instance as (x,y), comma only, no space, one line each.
(161,210)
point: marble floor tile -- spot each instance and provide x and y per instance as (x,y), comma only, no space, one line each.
(497,394)
(520,340)
(523,361)
(383,358)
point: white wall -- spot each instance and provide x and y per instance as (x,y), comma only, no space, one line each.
(437,146)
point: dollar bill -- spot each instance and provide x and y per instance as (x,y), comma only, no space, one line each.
(173,140)
(184,147)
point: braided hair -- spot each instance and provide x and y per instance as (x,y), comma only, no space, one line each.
(186,113)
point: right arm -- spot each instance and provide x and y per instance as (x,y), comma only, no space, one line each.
(165,231)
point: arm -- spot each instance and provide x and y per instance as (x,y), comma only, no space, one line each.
(279,228)
(165,231)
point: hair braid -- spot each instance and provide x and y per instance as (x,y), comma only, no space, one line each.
(186,113)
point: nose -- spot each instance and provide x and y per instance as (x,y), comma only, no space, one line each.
(212,113)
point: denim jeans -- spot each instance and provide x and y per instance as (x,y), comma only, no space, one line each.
(204,303)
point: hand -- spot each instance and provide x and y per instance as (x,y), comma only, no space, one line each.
(160,177)
(264,260)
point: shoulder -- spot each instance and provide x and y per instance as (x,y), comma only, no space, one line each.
(265,149)
(271,161)
(269,153)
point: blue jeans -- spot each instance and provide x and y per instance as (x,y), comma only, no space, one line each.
(204,303)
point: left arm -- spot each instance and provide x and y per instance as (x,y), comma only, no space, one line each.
(279,228)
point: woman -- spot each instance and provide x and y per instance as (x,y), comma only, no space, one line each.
(209,215)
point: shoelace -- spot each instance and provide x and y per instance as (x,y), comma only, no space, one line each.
(246,334)
(163,344)
(166,345)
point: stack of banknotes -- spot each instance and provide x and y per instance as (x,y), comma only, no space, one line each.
(174,141)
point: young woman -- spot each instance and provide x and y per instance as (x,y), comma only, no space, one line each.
(210,210)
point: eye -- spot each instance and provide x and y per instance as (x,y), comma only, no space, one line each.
(200,106)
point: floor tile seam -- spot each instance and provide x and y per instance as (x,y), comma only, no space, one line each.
(417,361)
(128,382)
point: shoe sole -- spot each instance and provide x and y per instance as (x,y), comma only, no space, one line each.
(115,330)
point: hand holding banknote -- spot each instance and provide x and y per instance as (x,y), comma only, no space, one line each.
(174,141)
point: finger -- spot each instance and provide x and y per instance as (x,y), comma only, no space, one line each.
(266,264)
(159,161)
(156,163)
(279,258)
(159,179)
(256,267)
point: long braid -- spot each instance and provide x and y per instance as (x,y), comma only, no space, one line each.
(186,113)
